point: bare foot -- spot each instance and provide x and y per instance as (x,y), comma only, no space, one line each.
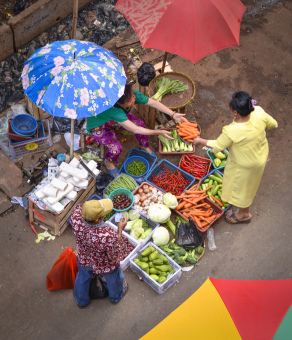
(110,165)
(148,150)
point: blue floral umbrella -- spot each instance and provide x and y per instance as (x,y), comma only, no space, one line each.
(73,79)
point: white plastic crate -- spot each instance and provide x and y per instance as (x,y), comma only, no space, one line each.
(151,224)
(125,263)
(160,288)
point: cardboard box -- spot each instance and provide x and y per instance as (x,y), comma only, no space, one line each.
(35,111)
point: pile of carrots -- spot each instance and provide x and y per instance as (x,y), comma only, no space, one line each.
(192,205)
(187,130)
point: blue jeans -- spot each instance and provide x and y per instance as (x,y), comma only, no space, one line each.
(114,281)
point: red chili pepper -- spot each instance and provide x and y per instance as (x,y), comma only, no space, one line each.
(194,165)
(169,181)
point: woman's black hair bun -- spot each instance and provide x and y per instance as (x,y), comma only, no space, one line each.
(241,102)
(145,74)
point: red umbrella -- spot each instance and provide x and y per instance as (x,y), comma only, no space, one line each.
(189,28)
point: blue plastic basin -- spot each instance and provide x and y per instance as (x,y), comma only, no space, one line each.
(24,125)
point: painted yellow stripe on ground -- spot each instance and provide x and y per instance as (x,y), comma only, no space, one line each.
(201,316)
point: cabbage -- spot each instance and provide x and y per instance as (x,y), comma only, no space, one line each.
(126,215)
(137,224)
(129,225)
(170,200)
(159,213)
(160,236)
(133,215)
(137,231)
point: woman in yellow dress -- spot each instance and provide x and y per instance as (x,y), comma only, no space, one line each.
(248,152)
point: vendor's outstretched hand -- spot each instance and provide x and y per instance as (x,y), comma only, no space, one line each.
(166,134)
(197,140)
(121,227)
(178,117)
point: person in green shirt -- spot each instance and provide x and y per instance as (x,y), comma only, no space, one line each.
(102,127)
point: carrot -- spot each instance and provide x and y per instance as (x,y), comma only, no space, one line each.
(196,200)
(183,133)
(181,205)
(203,205)
(189,128)
(189,191)
(198,214)
(197,221)
(199,193)
(191,196)
(186,122)
(188,205)
(188,131)
(220,203)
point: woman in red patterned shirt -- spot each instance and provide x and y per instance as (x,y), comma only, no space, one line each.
(98,250)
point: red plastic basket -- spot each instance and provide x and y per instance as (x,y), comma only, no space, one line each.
(173,153)
(14,136)
(216,211)
(202,159)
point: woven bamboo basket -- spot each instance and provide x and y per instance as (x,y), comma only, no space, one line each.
(178,100)
(199,258)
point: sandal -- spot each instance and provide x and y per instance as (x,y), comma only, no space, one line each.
(237,221)
(125,289)
(113,172)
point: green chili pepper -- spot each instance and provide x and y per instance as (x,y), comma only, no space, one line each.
(137,168)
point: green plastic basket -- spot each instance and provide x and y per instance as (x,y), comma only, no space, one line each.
(212,157)
(122,191)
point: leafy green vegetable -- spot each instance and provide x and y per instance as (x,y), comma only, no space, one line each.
(171,226)
(88,156)
(167,86)
(108,216)
(175,145)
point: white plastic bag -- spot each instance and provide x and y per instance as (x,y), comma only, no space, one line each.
(211,239)
(67,137)
(18,109)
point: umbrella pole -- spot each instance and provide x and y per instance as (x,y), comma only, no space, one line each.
(72,138)
(75,15)
(73,36)
(164,62)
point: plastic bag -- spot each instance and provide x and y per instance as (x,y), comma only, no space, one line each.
(102,181)
(98,288)
(145,74)
(67,137)
(18,109)
(63,272)
(211,239)
(63,125)
(187,235)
